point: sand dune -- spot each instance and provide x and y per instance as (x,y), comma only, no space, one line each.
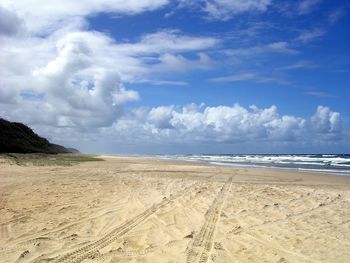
(148,210)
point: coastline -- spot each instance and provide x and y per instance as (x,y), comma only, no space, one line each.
(163,208)
(301,168)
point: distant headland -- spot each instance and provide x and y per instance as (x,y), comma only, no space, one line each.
(16,137)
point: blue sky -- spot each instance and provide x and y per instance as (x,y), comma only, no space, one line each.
(317,73)
(179,76)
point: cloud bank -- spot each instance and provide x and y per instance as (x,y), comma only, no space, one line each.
(229,124)
(196,128)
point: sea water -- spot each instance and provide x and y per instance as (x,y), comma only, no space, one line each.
(321,163)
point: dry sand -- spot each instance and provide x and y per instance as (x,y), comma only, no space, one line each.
(148,210)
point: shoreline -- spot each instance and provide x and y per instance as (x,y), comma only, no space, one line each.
(232,166)
(337,172)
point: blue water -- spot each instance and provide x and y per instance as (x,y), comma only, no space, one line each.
(322,163)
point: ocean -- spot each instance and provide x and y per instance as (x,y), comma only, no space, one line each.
(320,163)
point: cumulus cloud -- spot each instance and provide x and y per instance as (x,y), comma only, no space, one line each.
(161,117)
(227,124)
(78,77)
(174,127)
(77,89)
(10,23)
(326,122)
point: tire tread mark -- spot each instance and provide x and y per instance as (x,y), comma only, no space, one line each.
(199,249)
(93,248)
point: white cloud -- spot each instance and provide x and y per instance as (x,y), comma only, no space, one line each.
(335,15)
(10,23)
(302,64)
(326,121)
(222,9)
(178,127)
(77,76)
(160,117)
(297,8)
(166,41)
(274,47)
(164,82)
(225,9)
(307,6)
(7,95)
(77,88)
(178,62)
(45,16)
(281,47)
(226,124)
(48,15)
(311,35)
(320,94)
(251,76)
(235,77)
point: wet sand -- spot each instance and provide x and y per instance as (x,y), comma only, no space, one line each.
(128,209)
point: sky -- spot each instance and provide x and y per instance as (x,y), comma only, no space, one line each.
(177,76)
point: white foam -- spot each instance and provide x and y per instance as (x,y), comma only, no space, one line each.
(293,162)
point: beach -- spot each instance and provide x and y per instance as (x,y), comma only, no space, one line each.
(138,209)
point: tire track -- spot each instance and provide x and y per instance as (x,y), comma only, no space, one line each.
(5,192)
(22,243)
(93,248)
(4,232)
(3,201)
(200,248)
(4,227)
(120,253)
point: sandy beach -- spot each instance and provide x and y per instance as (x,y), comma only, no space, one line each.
(128,209)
